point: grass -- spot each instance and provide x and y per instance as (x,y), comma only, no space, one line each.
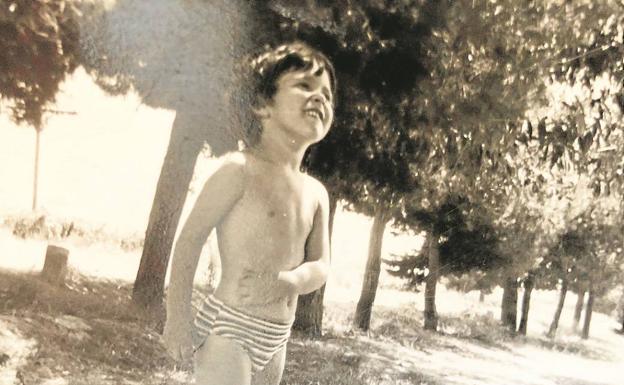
(88,332)
(42,226)
(87,329)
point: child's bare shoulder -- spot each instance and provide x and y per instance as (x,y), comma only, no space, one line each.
(315,187)
(230,171)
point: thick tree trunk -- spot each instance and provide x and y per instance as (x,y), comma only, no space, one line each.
(371,275)
(552,331)
(171,191)
(431,281)
(309,315)
(588,312)
(578,309)
(529,282)
(509,306)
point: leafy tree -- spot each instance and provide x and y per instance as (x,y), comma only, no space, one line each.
(182,66)
(375,47)
(38,41)
(470,106)
(461,247)
(560,267)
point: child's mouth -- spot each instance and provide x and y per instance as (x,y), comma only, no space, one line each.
(314,113)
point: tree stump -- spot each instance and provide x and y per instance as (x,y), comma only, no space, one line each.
(55,265)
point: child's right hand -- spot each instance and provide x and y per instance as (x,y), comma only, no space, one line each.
(178,340)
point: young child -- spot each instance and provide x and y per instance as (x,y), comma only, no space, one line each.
(269,217)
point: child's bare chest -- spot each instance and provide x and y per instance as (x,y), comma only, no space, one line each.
(281,205)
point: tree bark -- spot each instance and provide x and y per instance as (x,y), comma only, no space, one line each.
(309,315)
(529,282)
(578,309)
(171,191)
(588,312)
(509,306)
(552,331)
(371,275)
(481,296)
(431,281)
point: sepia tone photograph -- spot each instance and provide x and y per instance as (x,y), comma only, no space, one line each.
(311,192)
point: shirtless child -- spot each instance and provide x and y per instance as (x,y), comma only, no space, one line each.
(269,217)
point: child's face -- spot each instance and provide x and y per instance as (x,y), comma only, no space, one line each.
(303,104)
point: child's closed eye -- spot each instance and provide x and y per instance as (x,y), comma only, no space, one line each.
(304,85)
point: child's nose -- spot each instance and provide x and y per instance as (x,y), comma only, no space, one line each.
(318,98)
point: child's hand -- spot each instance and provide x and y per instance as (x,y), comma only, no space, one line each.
(289,279)
(178,340)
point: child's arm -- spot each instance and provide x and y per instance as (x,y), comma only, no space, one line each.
(313,273)
(219,194)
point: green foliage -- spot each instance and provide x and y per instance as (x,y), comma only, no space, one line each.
(38,41)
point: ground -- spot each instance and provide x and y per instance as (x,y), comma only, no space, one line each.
(88,332)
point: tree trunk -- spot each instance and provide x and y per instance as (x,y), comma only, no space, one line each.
(36,175)
(578,309)
(509,306)
(431,281)
(529,282)
(171,191)
(55,265)
(309,315)
(371,275)
(588,312)
(552,331)
(481,296)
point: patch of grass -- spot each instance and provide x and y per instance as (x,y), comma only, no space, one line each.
(576,347)
(117,340)
(117,344)
(480,328)
(347,359)
(41,226)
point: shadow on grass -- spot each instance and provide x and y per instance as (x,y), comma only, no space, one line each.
(578,348)
(87,329)
(113,343)
(348,360)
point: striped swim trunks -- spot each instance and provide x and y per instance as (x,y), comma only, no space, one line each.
(261,339)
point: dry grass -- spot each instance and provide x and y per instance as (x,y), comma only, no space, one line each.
(111,337)
(119,346)
(42,226)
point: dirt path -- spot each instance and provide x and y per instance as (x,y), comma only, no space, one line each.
(15,350)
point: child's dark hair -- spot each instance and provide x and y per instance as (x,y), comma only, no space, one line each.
(262,73)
